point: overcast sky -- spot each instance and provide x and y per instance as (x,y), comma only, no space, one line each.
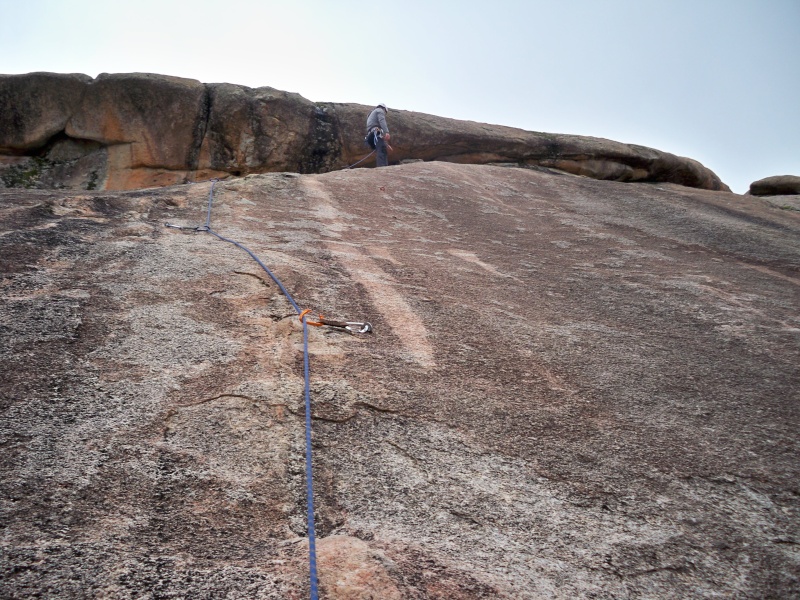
(714,80)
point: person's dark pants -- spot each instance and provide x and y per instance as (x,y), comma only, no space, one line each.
(381,153)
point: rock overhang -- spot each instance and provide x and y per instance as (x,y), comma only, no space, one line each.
(160,130)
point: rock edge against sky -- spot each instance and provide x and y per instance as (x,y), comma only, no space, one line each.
(137,130)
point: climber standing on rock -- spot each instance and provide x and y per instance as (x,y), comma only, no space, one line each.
(378,135)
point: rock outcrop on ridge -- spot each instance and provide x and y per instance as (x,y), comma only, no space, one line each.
(778,185)
(575,388)
(130,131)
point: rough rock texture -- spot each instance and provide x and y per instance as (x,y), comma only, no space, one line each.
(130,131)
(779,185)
(150,124)
(36,108)
(250,128)
(575,388)
(428,137)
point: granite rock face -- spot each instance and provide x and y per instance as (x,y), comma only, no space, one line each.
(36,108)
(144,130)
(150,125)
(575,388)
(252,130)
(779,185)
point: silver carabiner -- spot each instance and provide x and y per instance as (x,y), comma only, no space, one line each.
(349,326)
(357,327)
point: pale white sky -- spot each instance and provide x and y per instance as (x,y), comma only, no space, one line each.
(714,80)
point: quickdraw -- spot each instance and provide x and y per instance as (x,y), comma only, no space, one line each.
(349,326)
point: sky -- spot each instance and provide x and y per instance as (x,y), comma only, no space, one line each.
(714,80)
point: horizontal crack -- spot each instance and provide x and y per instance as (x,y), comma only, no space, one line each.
(355,413)
(261,279)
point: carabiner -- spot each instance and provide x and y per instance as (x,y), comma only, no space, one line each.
(349,326)
(357,327)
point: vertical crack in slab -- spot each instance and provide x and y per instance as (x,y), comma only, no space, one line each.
(200,129)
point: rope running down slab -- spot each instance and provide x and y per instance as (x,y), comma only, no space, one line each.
(312,539)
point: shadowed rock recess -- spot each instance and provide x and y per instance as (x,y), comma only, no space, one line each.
(575,388)
(137,130)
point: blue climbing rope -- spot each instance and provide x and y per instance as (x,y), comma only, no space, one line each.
(362,160)
(312,537)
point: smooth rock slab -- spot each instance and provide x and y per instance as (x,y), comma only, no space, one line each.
(575,388)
